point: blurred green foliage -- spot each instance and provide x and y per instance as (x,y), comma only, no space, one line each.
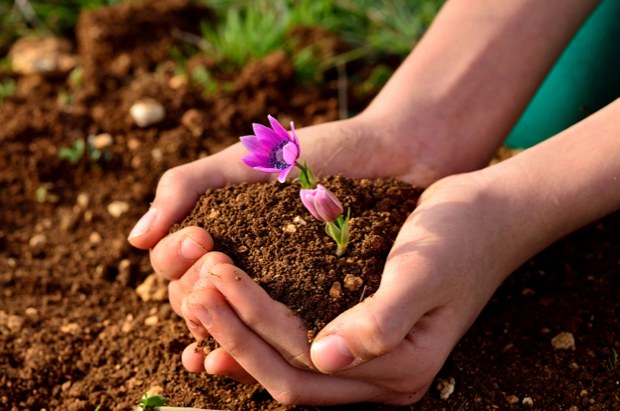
(247,29)
(251,29)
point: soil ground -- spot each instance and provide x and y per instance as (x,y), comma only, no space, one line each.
(75,334)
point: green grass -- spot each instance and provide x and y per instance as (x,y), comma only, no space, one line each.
(251,29)
(247,30)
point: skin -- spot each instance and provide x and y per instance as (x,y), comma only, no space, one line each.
(466,85)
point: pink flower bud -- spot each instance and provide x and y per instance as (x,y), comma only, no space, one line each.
(322,203)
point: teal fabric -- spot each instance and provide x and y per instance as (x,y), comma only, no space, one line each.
(585,78)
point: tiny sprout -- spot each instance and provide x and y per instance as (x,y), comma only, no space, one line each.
(74,153)
(43,194)
(158,403)
(148,402)
(97,148)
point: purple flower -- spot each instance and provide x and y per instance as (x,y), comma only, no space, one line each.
(322,203)
(272,150)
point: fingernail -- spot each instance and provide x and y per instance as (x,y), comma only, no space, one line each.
(144,224)
(330,354)
(202,314)
(191,249)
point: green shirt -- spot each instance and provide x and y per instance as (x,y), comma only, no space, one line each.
(585,78)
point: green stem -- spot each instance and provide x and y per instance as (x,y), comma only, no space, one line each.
(306,177)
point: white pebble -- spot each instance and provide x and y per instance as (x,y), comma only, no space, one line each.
(147,112)
(118,208)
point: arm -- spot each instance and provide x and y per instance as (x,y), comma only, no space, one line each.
(468,234)
(467,82)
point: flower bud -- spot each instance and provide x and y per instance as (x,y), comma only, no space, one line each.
(322,203)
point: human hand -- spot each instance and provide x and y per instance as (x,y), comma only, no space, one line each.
(360,146)
(448,259)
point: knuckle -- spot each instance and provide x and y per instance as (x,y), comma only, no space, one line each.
(377,340)
(286,395)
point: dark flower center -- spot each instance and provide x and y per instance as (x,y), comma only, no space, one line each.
(276,157)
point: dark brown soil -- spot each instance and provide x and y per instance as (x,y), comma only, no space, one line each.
(265,229)
(74,334)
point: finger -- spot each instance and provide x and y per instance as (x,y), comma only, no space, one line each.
(375,327)
(181,288)
(271,320)
(179,188)
(177,252)
(287,384)
(195,327)
(193,358)
(412,365)
(221,363)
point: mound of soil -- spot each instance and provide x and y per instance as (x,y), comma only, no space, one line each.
(267,232)
(81,326)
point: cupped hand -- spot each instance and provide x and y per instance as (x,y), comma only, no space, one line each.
(355,147)
(446,262)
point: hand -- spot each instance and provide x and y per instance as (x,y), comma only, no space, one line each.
(448,259)
(360,146)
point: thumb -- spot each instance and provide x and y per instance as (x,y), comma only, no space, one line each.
(176,194)
(380,323)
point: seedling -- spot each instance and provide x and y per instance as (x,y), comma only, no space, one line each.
(75,153)
(149,402)
(202,78)
(43,194)
(158,403)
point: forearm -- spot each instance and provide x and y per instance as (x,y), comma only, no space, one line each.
(563,183)
(468,80)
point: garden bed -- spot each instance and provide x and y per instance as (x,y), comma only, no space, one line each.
(76,334)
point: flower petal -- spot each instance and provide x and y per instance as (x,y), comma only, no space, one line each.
(295,139)
(256,160)
(290,153)
(307,198)
(277,127)
(266,135)
(284,173)
(251,143)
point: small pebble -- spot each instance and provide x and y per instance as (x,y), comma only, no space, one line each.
(151,320)
(528,401)
(71,328)
(95,238)
(563,341)
(101,141)
(290,228)
(352,282)
(147,112)
(37,241)
(445,386)
(154,288)
(118,208)
(512,399)
(336,290)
